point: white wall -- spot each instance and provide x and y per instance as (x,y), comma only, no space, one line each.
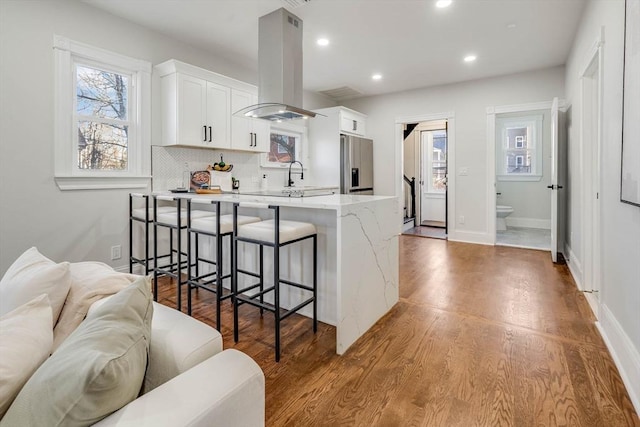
(469,102)
(70,225)
(619,316)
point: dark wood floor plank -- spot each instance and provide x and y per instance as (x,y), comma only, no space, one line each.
(482,336)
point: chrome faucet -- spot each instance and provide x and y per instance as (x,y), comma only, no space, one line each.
(290,181)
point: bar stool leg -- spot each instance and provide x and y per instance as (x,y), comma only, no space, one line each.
(261,278)
(131,233)
(315,284)
(218,276)
(276,297)
(179,255)
(234,273)
(276,279)
(155,250)
(189,257)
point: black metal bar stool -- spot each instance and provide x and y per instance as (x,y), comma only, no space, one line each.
(143,215)
(175,222)
(274,233)
(217,227)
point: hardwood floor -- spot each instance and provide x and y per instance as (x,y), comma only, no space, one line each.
(481,336)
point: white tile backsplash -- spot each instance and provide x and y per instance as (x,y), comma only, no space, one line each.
(169,163)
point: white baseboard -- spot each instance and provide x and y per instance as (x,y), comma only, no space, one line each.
(575,267)
(470,237)
(408,226)
(624,353)
(528,222)
(123,269)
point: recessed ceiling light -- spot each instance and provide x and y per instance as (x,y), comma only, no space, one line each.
(322,42)
(470,58)
(511,26)
(376,76)
(443,3)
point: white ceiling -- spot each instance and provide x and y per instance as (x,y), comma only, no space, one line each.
(410,42)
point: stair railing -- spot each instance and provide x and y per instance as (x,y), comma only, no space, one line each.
(412,187)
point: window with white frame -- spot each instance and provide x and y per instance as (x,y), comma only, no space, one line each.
(102,123)
(519,148)
(287,143)
(435,144)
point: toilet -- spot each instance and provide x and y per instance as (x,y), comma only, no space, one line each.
(502,212)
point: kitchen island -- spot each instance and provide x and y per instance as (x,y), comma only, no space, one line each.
(357,256)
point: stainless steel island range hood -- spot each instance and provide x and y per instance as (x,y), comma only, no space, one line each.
(280,69)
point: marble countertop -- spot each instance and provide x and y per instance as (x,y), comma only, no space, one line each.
(333,201)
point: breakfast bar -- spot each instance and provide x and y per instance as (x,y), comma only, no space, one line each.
(357,256)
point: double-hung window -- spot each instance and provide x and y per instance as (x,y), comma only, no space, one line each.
(519,154)
(102,118)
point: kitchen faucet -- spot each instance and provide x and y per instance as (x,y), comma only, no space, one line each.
(290,181)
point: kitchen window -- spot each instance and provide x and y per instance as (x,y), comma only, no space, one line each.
(287,143)
(102,123)
(519,157)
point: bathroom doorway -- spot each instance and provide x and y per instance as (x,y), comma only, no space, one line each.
(527,195)
(522,174)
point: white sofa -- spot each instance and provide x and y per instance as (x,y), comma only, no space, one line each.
(191,381)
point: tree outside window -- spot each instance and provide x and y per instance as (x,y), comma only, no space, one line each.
(102,119)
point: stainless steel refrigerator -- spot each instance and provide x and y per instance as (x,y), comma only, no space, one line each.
(356,160)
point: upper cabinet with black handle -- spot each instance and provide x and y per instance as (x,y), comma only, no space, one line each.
(247,134)
(198,107)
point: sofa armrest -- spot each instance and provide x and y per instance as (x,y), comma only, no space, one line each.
(178,343)
(224,390)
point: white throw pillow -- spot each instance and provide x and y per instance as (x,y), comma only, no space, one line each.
(96,371)
(90,282)
(32,275)
(26,336)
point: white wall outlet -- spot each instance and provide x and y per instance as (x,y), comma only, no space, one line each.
(464,171)
(116,252)
(461,219)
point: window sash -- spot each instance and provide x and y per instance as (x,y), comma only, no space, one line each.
(532,149)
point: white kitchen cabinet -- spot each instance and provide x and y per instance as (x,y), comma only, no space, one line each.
(342,120)
(195,112)
(324,141)
(352,122)
(198,106)
(246,133)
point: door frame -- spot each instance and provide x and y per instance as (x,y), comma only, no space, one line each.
(449,116)
(491,153)
(420,163)
(591,87)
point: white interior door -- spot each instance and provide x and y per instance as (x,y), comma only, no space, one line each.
(555,156)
